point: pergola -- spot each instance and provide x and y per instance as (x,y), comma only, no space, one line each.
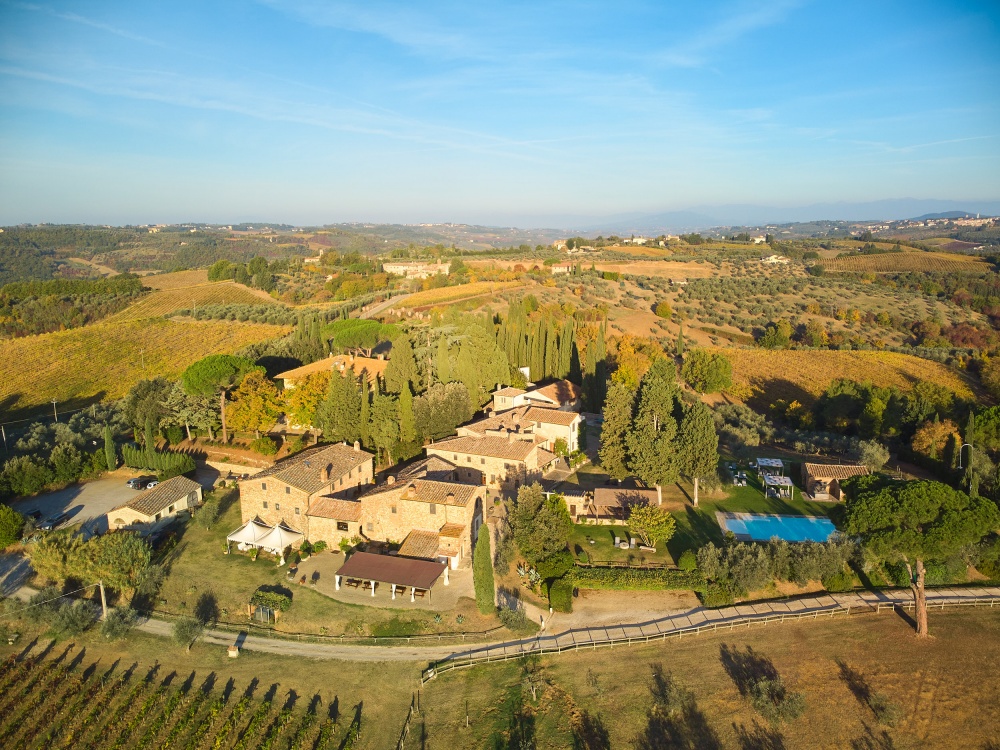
(369,569)
(770,466)
(782,486)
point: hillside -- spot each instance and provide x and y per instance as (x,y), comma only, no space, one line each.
(765,375)
(166,300)
(104,360)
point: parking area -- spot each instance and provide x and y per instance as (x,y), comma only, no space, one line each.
(87,503)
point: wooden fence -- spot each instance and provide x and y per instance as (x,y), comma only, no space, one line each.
(626,564)
(406,727)
(595,638)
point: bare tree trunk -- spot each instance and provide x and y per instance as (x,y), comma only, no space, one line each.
(222,411)
(696,492)
(187,428)
(919,597)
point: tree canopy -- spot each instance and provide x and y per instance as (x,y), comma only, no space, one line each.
(541,525)
(215,372)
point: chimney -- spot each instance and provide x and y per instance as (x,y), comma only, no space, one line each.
(451,498)
(492,414)
(326,472)
(510,437)
(357,446)
(390,479)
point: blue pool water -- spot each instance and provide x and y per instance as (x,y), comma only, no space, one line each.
(790,528)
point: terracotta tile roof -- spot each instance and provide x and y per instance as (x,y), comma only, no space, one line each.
(299,373)
(834,471)
(509,391)
(562,392)
(371,366)
(420,544)
(520,418)
(152,501)
(545,458)
(304,470)
(551,416)
(401,571)
(452,530)
(333,508)
(491,447)
(445,493)
(614,497)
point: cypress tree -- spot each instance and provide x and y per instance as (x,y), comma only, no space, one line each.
(407,423)
(150,438)
(365,419)
(482,573)
(567,343)
(442,361)
(551,351)
(110,456)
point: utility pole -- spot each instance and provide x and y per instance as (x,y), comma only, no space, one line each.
(104,601)
(54,412)
(142,358)
(3,429)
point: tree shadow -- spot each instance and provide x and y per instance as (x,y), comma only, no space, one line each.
(855,682)
(209,684)
(746,668)
(875,740)
(333,712)
(520,731)
(674,719)
(227,691)
(271,692)
(758,737)
(206,609)
(589,733)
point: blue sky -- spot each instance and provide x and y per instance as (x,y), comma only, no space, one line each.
(526,113)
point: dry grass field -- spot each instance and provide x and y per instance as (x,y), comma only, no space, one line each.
(766,375)
(902,262)
(106,359)
(167,300)
(944,690)
(449,294)
(666,268)
(177,279)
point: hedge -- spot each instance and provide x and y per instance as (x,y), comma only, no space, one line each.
(561,594)
(637,579)
(166,465)
(271,599)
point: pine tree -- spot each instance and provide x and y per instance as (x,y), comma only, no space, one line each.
(650,441)
(697,444)
(618,411)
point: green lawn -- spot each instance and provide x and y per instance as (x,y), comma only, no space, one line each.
(603,547)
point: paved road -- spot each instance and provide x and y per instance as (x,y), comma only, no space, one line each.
(88,502)
(383,305)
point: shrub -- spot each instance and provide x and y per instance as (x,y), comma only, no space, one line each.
(662,310)
(561,594)
(774,702)
(839,582)
(271,599)
(717,595)
(118,623)
(707,372)
(73,619)
(513,619)
(885,711)
(345,545)
(637,579)
(265,446)
(319,546)
(688,561)
(11,523)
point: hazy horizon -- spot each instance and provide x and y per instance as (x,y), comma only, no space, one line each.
(528,115)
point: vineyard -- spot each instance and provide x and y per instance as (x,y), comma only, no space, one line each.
(106,359)
(803,375)
(167,300)
(59,703)
(906,262)
(176,280)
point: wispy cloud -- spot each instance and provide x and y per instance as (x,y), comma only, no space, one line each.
(741,21)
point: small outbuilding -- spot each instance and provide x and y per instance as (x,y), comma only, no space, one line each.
(771,466)
(823,481)
(780,487)
(147,509)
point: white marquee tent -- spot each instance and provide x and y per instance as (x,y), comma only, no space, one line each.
(250,533)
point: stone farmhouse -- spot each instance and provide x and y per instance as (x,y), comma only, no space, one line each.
(562,395)
(304,490)
(416,270)
(149,507)
(822,481)
(501,462)
(527,422)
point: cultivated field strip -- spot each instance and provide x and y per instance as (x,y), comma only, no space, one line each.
(701,621)
(904,262)
(166,301)
(62,702)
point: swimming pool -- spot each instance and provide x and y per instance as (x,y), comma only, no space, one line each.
(761,528)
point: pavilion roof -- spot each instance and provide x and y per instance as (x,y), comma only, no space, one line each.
(401,571)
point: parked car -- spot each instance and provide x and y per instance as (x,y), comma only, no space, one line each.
(152,484)
(34,515)
(136,483)
(53,522)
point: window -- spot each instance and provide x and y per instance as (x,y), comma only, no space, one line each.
(341,525)
(393,508)
(369,527)
(492,478)
(264,504)
(434,509)
(171,509)
(482,461)
(454,456)
(288,490)
(341,481)
(263,485)
(277,506)
(350,473)
(468,459)
(297,512)
(156,517)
